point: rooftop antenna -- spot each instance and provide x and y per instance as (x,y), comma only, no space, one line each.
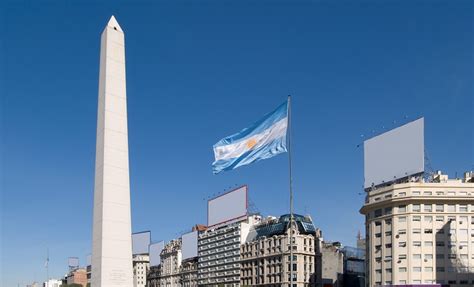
(46,264)
(429,171)
(252,207)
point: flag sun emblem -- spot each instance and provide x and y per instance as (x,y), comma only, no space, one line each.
(251,143)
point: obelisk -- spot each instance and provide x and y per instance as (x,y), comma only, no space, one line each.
(111,234)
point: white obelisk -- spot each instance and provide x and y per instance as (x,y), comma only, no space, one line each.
(111,234)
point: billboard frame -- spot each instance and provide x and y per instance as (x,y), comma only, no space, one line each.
(150,254)
(235,219)
(401,178)
(145,231)
(182,244)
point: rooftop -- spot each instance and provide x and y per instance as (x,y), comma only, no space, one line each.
(279,226)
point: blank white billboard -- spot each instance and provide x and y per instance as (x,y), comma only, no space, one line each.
(395,154)
(73,262)
(190,245)
(155,250)
(140,242)
(227,207)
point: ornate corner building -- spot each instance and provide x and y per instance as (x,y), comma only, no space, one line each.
(421,232)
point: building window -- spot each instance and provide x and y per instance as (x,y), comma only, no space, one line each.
(417,218)
(462,208)
(416,231)
(428,243)
(451,208)
(378,212)
(416,269)
(416,208)
(402,269)
(416,256)
(402,208)
(428,208)
(439,207)
(427,193)
(416,243)
(402,219)
(428,218)
(440,218)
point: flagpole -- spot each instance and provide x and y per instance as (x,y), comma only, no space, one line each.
(291,191)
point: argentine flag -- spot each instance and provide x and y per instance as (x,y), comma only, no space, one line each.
(264,139)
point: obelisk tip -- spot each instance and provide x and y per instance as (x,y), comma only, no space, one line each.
(114,24)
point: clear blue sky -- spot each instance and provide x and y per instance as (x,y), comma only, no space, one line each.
(199,72)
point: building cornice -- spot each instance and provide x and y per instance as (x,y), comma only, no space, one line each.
(414,199)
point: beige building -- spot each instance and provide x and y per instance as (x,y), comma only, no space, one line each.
(421,232)
(265,258)
(77,276)
(153,276)
(330,266)
(189,272)
(141,265)
(171,259)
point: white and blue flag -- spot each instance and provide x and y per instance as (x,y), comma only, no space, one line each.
(264,139)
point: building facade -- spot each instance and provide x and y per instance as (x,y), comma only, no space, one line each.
(171,258)
(330,264)
(141,265)
(219,252)
(153,276)
(189,272)
(265,257)
(354,266)
(77,276)
(421,232)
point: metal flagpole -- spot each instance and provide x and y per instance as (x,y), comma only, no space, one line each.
(291,191)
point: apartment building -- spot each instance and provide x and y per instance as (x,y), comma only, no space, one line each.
(265,257)
(189,272)
(219,252)
(141,264)
(171,259)
(421,232)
